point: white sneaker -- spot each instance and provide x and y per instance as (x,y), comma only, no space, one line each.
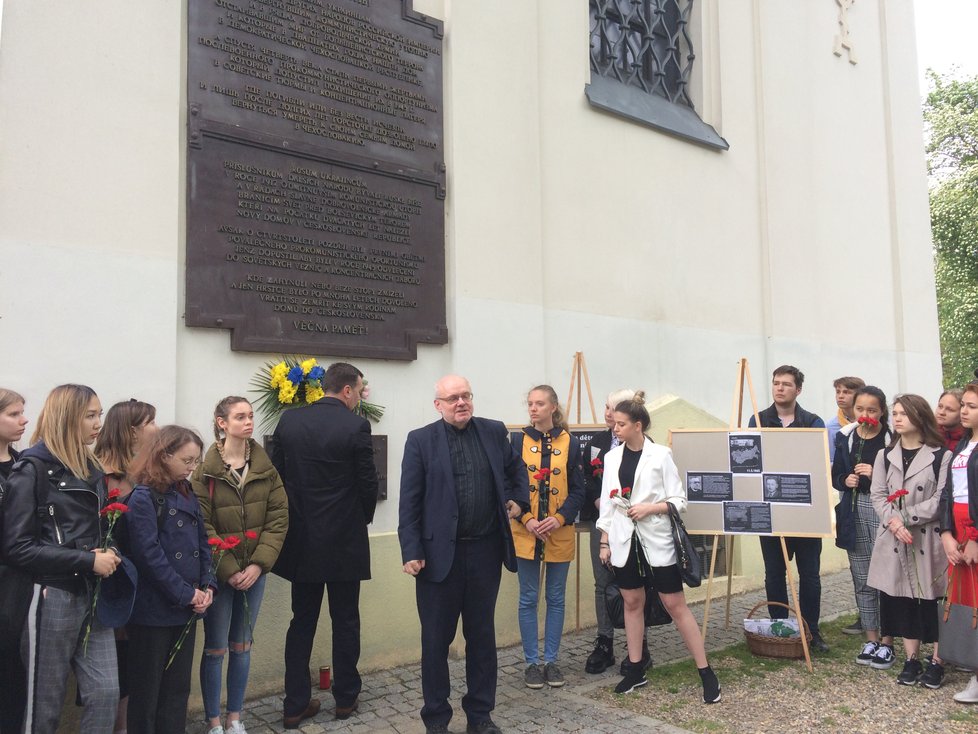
(969,694)
(216,730)
(235,727)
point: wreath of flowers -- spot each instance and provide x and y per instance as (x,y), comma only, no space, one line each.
(294,381)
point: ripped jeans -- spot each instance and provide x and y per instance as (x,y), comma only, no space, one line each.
(226,626)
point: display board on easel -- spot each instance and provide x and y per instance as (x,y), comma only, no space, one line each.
(756,482)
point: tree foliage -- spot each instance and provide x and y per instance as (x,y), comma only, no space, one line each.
(951,117)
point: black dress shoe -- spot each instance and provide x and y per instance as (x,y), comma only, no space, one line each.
(292,722)
(345,712)
(818,644)
(483,727)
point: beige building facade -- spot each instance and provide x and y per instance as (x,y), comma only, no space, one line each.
(568,229)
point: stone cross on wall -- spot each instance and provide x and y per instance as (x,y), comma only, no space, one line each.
(843,40)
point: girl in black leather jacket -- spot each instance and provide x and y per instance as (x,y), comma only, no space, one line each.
(52,529)
(13,677)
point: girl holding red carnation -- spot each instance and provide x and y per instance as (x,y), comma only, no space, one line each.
(52,529)
(908,564)
(856,447)
(545,535)
(168,544)
(241,495)
(961,501)
(637,544)
(126,426)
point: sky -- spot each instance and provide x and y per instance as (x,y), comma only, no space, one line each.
(946,36)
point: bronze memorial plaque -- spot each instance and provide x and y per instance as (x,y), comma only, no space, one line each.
(316,182)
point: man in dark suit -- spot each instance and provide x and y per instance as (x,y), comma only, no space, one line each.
(325,456)
(461,480)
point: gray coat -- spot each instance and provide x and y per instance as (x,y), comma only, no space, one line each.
(920,570)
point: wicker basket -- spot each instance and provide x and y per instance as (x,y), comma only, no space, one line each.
(776,647)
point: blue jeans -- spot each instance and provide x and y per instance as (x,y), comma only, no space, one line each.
(225,624)
(528,573)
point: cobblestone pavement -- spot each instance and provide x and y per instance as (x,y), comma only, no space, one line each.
(391,699)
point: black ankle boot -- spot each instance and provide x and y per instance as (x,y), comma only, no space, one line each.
(646,658)
(602,658)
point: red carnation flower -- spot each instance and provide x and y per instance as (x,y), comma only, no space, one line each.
(114,507)
(251,535)
(897,495)
(614,493)
(971,533)
(595,462)
(214,542)
(231,542)
(626,492)
(541,474)
(868,420)
(114,493)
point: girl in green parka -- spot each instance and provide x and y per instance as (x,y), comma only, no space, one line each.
(240,494)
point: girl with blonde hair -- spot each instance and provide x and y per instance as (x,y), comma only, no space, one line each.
(52,529)
(544,536)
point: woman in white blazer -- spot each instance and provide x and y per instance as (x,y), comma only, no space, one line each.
(640,479)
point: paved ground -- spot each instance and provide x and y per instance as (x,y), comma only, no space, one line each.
(391,699)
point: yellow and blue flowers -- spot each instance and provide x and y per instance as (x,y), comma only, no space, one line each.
(293,382)
(288,383)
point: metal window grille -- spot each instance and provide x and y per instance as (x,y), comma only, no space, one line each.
(645,44)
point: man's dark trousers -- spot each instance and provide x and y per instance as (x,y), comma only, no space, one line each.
(808,556)
(469,590)
(344,611)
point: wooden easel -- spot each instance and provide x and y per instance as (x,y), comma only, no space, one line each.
(736,422)
(579,378)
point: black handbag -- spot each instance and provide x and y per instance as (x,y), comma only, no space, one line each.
(688,560)
(958,630)
(655,614)
(845,521)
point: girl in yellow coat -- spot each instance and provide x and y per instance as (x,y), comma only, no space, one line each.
(545,534)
